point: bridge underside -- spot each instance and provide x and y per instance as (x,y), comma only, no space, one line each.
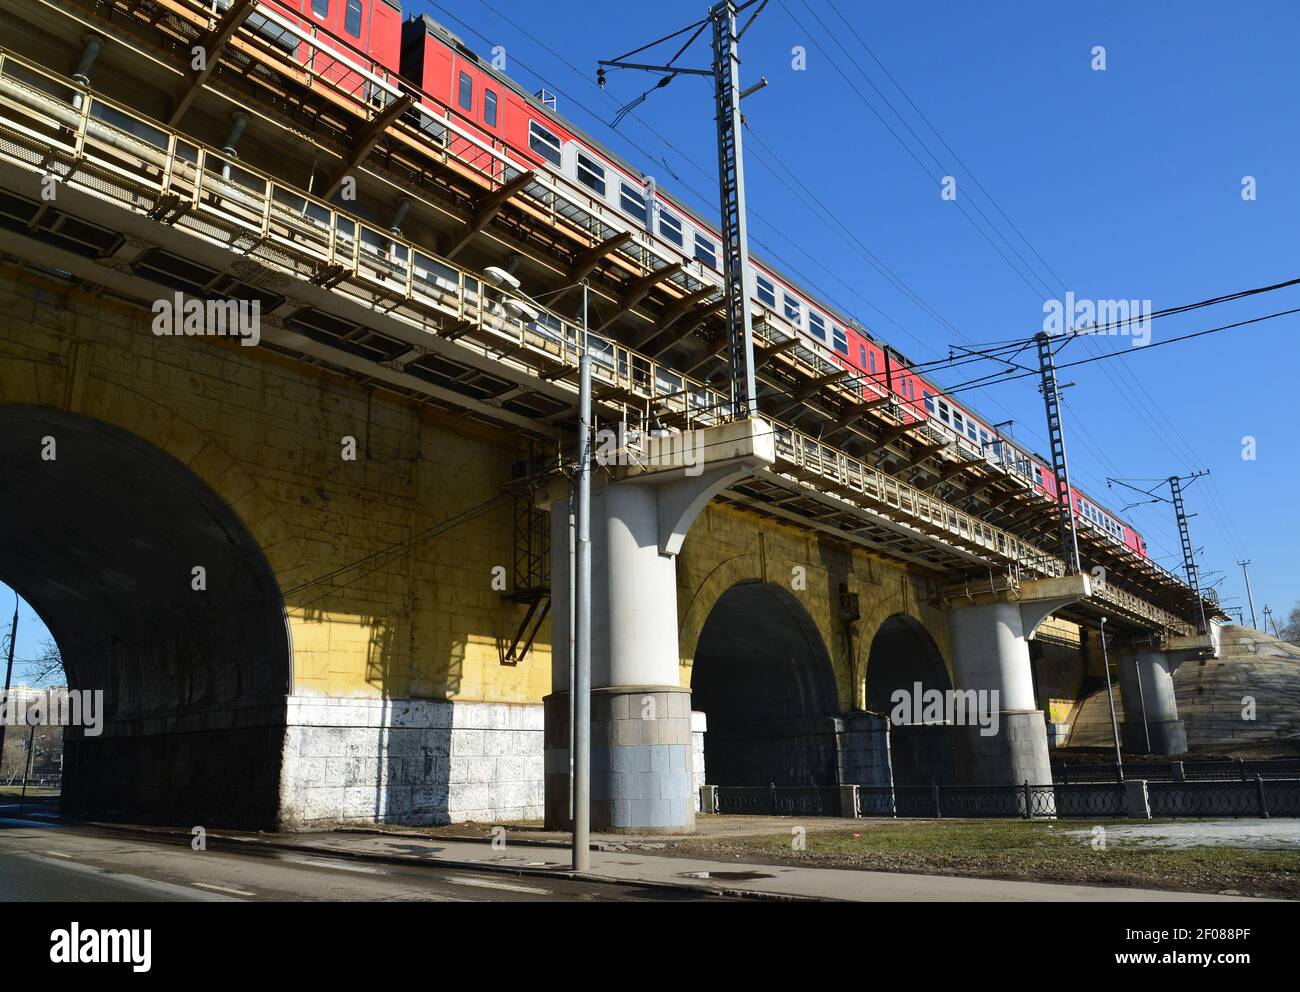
(102,536)
(764,680)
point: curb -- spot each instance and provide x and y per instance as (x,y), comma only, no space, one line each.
(228,841)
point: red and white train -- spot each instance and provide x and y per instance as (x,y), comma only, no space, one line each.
(449,76)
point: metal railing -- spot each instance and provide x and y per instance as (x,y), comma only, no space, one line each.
(1257,797)
(1178,771)
(114,153)
(117,154)
(778,800)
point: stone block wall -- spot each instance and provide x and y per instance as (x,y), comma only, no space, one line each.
(411,761)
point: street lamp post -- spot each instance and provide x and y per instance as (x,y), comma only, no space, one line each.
(582,640)
(1110,696)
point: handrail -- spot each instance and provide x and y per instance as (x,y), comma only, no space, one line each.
(288,228)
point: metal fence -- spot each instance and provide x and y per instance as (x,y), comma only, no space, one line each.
(779,801)
(54,781)
(993,801)
(1178,771)
(1255,797)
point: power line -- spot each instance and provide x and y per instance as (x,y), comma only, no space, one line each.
(1118,377)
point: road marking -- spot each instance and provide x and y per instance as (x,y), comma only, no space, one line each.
(482,883)
(336,865)
(222,888)
(59,854)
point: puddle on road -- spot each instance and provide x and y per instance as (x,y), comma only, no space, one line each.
(726,876)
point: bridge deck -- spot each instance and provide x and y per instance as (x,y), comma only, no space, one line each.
(362,299)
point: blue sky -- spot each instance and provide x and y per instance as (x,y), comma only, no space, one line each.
(1125,184)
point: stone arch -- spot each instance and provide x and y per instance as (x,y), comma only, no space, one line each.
(902,655)
(763,677)
(194,681)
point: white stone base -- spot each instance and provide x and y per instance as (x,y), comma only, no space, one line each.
(699,725)
(412,761)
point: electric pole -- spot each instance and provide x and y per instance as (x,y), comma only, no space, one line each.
(1189,556)
(1268,618)
(1060,465)
(9,674)
(1181,516)
(728,93)
(1250,599)
(1110,697)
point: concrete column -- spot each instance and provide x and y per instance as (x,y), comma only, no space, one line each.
(1154,666)
(641,741)
(1146,683)
(990,653)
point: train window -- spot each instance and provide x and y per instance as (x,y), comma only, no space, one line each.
(943,412)
(766,292)
(490,108)
(1038,475)
(591,173)
(465,95)
(971,432)
(321,8)
(929,399)
(544,143)
(633,202)
(706,251)
(984,440)
(352,18)
(670,227)
(871,362)
(958,422)
(841,340)
(862,355)
(817,325)
(793,310)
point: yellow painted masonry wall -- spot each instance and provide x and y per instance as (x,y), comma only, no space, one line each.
(728,545)
(265,434)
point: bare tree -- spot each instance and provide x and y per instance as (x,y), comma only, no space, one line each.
(1291,629)
(46,668)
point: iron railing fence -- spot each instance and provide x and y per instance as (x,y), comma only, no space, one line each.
(779,800)
(1256,797)
(1169,771)
(34,781)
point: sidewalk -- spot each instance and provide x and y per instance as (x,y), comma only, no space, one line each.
(617,861)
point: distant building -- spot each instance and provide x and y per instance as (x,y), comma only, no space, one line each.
(48,740)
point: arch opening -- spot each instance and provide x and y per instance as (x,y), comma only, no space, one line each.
(763,678)
(904,657)
(194,667)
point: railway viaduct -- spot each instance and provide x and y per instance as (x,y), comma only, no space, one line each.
(325,578)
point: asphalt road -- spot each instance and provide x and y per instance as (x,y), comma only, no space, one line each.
(49,862)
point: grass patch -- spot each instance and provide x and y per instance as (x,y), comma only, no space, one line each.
(1015,849)
(32,790)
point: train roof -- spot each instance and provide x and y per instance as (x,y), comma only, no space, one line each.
(455,41)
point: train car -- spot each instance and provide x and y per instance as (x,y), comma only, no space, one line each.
(495,110)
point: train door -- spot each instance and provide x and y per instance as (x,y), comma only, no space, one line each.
(467,100)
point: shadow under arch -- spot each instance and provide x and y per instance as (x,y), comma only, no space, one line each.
(102,539)
(764,680)
(902,655)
